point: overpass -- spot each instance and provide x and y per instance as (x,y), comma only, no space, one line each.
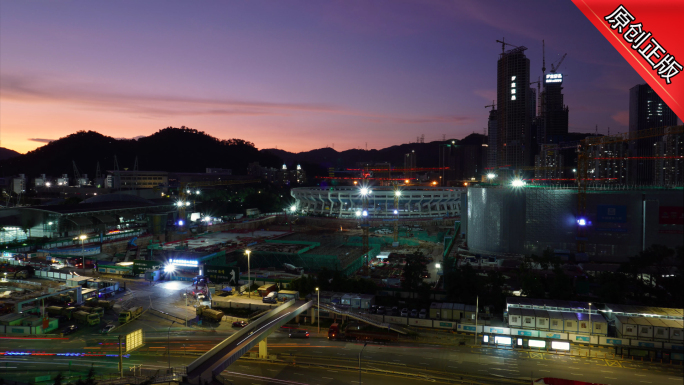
(209,366)
(363,318)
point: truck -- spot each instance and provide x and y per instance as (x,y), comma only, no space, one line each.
(209,314)
(355,334)
(57,311)
(86,318)
(130,314)
(266,289)
(105,304)
(93,310)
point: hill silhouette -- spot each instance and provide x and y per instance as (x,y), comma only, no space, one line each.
(6,153)
(170,149)
(427,154)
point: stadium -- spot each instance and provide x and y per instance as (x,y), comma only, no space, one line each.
(347,201)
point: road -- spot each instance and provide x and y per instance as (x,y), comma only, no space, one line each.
(407,357)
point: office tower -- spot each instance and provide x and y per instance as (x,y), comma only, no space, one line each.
(646,110)
(554,114)
(514,113)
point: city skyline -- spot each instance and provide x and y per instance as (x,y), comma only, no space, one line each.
(295,77)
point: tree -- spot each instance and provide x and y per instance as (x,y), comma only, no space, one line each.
(58,379)
(412,270)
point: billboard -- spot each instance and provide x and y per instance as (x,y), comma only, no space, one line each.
(671,215)
(222,274)
(554,78)
(134,340)
(611,213)
(141,265)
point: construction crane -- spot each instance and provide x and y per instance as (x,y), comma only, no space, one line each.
(504,44)
(493,105)
(538,82)
(77,175)
(555,68)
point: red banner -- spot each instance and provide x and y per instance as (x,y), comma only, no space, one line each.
(648,34)
(671,215)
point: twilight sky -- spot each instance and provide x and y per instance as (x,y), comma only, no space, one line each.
(296,75)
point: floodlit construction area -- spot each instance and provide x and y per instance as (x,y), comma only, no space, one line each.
(348,202)
(221,238)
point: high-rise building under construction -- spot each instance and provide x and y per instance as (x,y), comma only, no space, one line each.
(514,146)
(554,113)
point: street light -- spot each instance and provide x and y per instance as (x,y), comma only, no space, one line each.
(518,183)
(364,191)
(293,208)
(491,176)
(318,313)
(397,193)
(249,275)
(83,238)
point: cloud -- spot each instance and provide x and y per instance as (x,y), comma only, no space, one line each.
(37,89)
(46,90)
(621,117)
(40,140)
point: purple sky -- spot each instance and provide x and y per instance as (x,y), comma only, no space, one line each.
(293,74)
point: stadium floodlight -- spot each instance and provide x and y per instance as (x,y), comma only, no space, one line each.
(365,213)
(170,268)
(396,212)
(437,265)
(179,204)
(364,191)
(197,192)
(188,191)
(180,223)
(397,193)
(517,183)
(358,213)
(207,219)
(582,222)
(187,203)
(491,176)
(293,208)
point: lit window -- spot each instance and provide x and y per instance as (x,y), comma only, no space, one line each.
(513,91)
(513,85)
(512,97)
(512,78)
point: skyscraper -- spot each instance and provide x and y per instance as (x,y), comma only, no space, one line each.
(646,110)
(514,148)
(554,114)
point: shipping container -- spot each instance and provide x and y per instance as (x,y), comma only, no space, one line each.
(447,311)
(435,310)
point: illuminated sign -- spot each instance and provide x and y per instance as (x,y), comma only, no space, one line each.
(557,345)
(134,340)
(537,344)
(554,78)
(184,262)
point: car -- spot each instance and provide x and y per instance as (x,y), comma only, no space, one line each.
(107,329)
(414,313)
(373,309)
(299,333)
(239,324)
(381,310)
(70,329)
(423,313)
(395,310)
(201,297)
(404,312)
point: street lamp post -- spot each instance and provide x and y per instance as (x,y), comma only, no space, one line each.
(591,329)
(249,275)
(318,310)
(83,238)
(364,346)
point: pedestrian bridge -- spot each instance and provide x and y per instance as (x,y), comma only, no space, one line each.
(363,318)
(209,366)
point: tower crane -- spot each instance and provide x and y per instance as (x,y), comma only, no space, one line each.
(515,47)
(555,68)
(538,82)
(493,105)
